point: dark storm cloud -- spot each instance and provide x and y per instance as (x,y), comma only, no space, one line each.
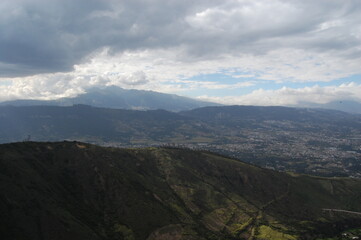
(38,36)
(51,36)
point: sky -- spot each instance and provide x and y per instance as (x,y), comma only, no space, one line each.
(249,52)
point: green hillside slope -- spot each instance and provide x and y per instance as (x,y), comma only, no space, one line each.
(72,190)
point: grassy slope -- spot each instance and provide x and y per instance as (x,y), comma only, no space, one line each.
(71,190)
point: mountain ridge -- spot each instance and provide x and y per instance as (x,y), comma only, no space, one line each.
(341,105)
(73,190)
(119,98)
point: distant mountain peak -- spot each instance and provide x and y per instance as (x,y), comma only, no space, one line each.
(119,98)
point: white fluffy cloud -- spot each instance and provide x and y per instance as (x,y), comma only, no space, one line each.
(292,97)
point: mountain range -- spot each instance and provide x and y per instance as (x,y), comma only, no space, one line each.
(73,190)
(119,98)
(212,124)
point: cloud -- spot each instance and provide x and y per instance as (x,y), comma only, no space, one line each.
(160,70)
(40,36)
(291,96)
(134,79)
(163,65)
(59,48)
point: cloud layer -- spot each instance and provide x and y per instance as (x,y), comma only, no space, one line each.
(294,97)
(58,48)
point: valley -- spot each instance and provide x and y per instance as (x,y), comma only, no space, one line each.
(303,140)
(317,142)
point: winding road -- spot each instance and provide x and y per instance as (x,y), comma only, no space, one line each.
(340,210)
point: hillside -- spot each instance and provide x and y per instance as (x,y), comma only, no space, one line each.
(85,123)
(119,98)
(72,190)
(232,114)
